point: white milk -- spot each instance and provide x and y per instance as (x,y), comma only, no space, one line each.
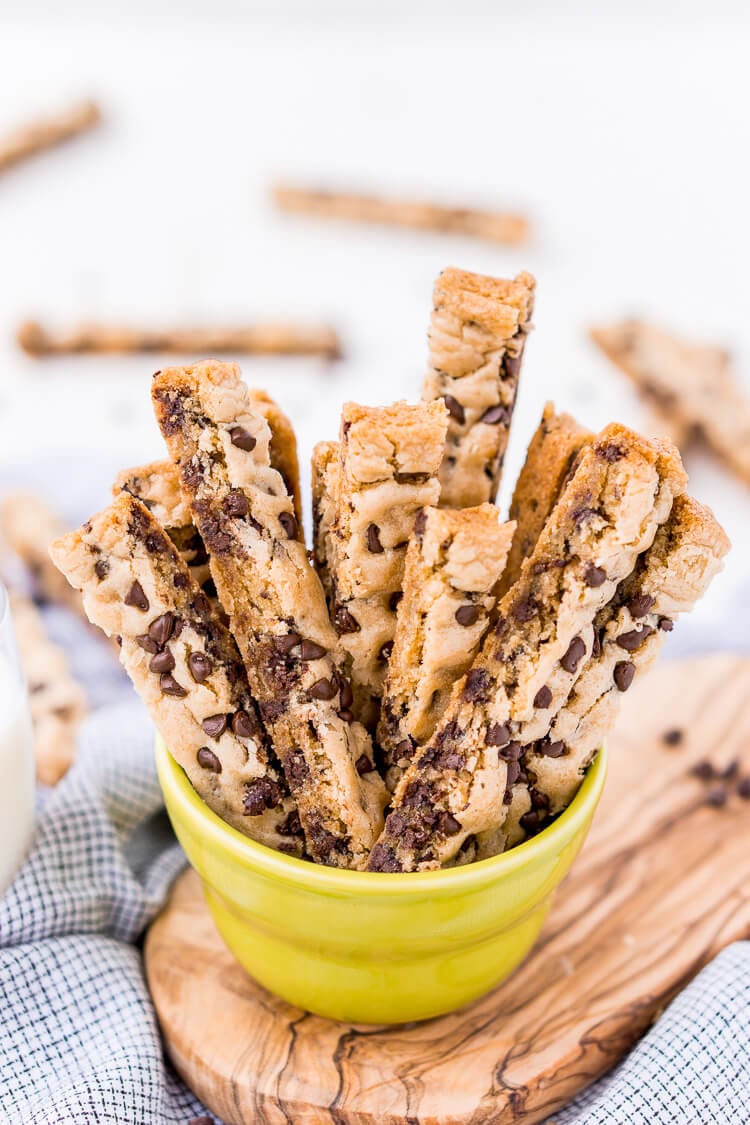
(16,773)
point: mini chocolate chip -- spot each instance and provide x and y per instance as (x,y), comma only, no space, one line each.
(639,604)
(346,695)
(181,581)
(169,686)
(237,504)
(574,655)
(511,752)
(323,689)
(609,452)
(623,674)
(161,628)
(531,822)
(286,642)
(478,685)
(244,725)
(346,716)
(240,437)
(551,749)
(404,749)
(420,521)
(581,515)
(363,765)
(200,666)
(704,771)
(101,568)
(730,771)
(673,737)
(155,544)
(383,858)
(386,650)
(467,615)
(455,409)
(595,576)
(162,661)
(289,523)
(261,794)
(596,645)
(148,644)
(497,735)
(633,639)
(543,698)
(716,796)
(291,826)
(344,621)
(215,725)
(514,772)
(394,600)
(524,610)
(495,414)
(448,824)
(743,788)
(208,760)
(666,624)
(310,650)
(136,597)
(374,546)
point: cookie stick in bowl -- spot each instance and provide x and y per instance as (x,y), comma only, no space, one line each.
(183,663)
(453,564)
(325,483)
(667,580)
(608,513)
(275,604)
(389,461)
(477,335)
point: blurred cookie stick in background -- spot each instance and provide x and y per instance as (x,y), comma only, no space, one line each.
(493,226)
(44,133)
(257,339)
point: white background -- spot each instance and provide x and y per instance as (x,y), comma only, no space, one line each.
(622,129)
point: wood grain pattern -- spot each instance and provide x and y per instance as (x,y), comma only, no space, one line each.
(661,886)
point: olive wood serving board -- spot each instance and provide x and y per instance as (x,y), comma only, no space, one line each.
(662,884)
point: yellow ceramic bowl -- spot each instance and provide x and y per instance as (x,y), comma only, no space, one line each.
(370,948)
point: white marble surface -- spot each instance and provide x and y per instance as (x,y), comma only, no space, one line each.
(626,143)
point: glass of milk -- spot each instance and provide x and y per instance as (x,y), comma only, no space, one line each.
(16,755)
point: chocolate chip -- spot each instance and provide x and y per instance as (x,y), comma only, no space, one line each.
(539,800)
(411,478)
(200,666)
(467,615)
(448,824)
(716,796)
(383,858)
(666,624)
(455,409)
(136,597)
(155,543)
(162,661)
(524,610)
(309,650)
(289,523)
(161,628)
(344,621)
(495,414)
(420,521)
(595,576)
(363,765)
(346,715)
(497,735)
(574,655)
(386,650)
(215,725)
(393,601)
(101,568)
(261,794)
(244,725)
(634,639)
(730,771)
(450,760)
(610,452)
(286,642)
(239,436)
(237,504)
(291,826)
(169,686)
(148,644)
(208,760)
(623,674)
(743,789)
(639,604)
(514,773)
(346,695)
(704,771)
(672,737)
(374,546)
(323,689)
(551,749)
(404,749)
(543,698)
(596,645)
(511,752)
(531,822)
(478,685)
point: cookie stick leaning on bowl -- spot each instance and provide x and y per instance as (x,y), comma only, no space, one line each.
(453,564)
(477,335)
(552,450)
(667,581)
(608,513)
(388,471)
(275,604)
(184,665)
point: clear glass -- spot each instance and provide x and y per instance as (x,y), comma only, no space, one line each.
(16,754)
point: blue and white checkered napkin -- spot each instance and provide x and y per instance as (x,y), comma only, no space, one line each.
(78,1036)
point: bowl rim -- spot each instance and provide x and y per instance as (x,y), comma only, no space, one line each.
(313,876)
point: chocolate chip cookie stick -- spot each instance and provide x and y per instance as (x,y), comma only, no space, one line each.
(608,513)
(691,386)
(184,665)
(453,563)
(47,132)
(389,460)
(112,339)
(550,456)
(493,226)
(477,335)
(275,604)
(325,483)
